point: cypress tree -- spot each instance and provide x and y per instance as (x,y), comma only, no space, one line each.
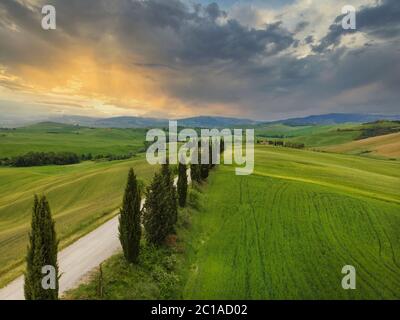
(204,168)
(42,251)
(129,220)
(171,198)
(204,171)
(210,155)
(182,184)
(195,168)
(156,222)
(195,172)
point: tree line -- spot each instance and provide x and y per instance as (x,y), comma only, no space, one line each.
(34,159)
(280,143)
(158,218)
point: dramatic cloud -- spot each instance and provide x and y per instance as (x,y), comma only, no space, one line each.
(259,59)
(379,21)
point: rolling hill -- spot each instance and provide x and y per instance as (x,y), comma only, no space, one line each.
(202,121)
(81,197)
(320,136)
(311,135)
(286,231)
(387,146)
(56,137)
(141,122)
(337,118)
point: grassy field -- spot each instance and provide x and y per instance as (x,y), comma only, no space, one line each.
(386,146)
(311,136)
(326,135)
(81,197)
(286,231)
(55,137)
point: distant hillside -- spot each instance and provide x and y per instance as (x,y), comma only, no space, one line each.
(115,122)
(326,135)
(337,118)
(48,127)
(139,122)
(387,146)
(202,121)
(130,122)
(215,122)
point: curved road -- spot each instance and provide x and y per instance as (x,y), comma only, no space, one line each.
(78,259)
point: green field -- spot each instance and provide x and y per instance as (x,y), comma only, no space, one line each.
(385,146)
(55,137)
(81,197)
(325,135)
(311,136)
(286,231)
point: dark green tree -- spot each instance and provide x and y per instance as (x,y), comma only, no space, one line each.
(129,220)
(212,155)
(222,146)
(204,169)
(182,184)
(156,219)
(195,172)
(171,197)
(42,252)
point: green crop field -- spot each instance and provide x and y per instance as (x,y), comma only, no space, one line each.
(81,197)
(55,137)
(325,135)
(311,136)
(286,231)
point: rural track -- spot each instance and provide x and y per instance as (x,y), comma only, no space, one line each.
(78,259)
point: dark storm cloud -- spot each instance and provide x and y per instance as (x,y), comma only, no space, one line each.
(169,29)
(207,58)
(30,45)
(301,26)
(204,43)
(309,39)
(214,12)
(381,21)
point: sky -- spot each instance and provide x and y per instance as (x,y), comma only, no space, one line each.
(263,60)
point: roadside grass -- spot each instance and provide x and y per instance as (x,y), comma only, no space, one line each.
(81,196)
(154,277)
